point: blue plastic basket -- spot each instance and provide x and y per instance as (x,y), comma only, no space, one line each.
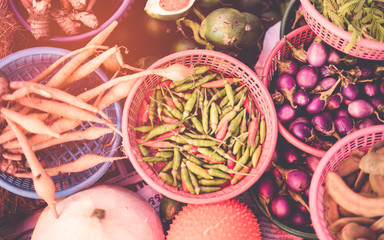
(28,63)
(115,10)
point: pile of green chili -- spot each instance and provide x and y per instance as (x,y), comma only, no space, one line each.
(202,133)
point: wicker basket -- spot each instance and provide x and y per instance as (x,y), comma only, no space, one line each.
(115,10)
(219,62)
(26,64)
(361,139)
(339,38)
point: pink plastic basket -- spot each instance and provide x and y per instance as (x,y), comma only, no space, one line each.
(339,38)
(219,62)
(282,51)
(360,139)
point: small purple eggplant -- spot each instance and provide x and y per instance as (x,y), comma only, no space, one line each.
(286,113)
(344,125)
(317,53)
(330,70)
(290,156)
(335,101)
(302,131)
(370,89)
(349,90)
(320,100)
(286,66)
(307,78)
(301,98)
(324,84)
(286,84)
(324,125)
(333,57)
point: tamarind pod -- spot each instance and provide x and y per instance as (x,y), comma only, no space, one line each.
(331,212)
(366,188)
(353,231)
(353,202)
(339,224)
(351,163)
(376,182)
(360,180)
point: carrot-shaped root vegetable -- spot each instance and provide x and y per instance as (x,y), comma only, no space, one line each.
(174,72)
(87,68)
(85,162)
(90,133)
(31,124)
(43,183)
(116,93)
(63,109)
(60,77)
(24,88)
(44,74)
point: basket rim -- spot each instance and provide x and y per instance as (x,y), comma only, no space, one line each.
(104,166)
(367,43)
(79,37)
(267,67)
(208,197)
(285,20)
(315,181)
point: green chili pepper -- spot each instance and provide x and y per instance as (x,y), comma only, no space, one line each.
(193,159)
(212,182)
(144,151)
(230,93)
(240,95)
(198,83)
(165,177)
(214,117)
(190,104)
(179,139)
(205,115)
(183,95)
(197,170)
(195,183)
(233,125)
(159,98)
(256,156)
(210,153)
(201,99)
(209,189)
(143,129)
(243,160)
(201,69)
(176,164)
(262,129)
(244,123)
(164,154)
(167,112)
(196,136)
(176,101)
(239,142)
(158,130)
(153,159)
(220,151)
(167,166)
(230,115)
(174,111)
(196,122)
(186,180)
(152,107)
(217,173)
(218,95)
(225,111)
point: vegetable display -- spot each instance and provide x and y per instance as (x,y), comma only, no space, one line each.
(353,197)
(322,95)
(282,191)
(201,133)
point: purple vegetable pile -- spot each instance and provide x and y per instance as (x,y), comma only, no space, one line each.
(283,189)
(322,95)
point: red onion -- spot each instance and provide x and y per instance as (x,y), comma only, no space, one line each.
(281,206)
(301,98)
(307,78)
(317,53)
(286,113)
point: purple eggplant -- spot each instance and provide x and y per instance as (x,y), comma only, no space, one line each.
(300,219)
(381,87)
(286,84)
(341,112)
(335,101)
(324,125)
(286,113)
(344,125)
(281,206)
(368,122)
(301,98)
(302,131)
(307,78)
(317,53)
(297,179)
(350,91)
(286,66)
(330,70)
(290,156)
(324,84)
(377,103)
(370,89)
(320,100)
(360,109)
(333,57)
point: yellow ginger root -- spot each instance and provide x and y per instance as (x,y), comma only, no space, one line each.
(66,24)
(40,18)
(88,19)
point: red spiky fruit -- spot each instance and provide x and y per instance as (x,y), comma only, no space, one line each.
(225,220)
